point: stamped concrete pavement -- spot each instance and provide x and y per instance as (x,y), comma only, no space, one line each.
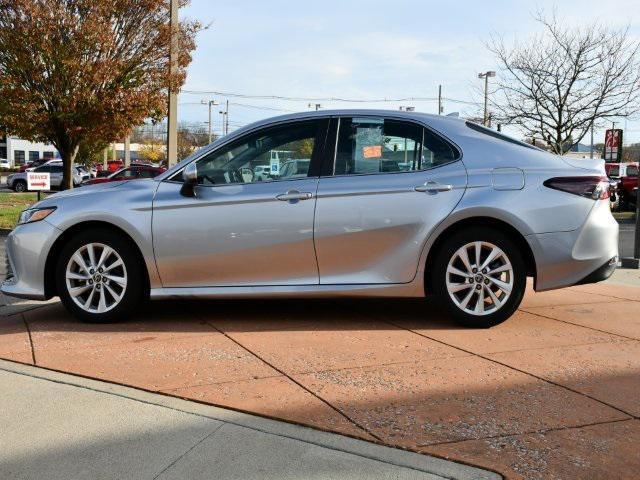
(552,393)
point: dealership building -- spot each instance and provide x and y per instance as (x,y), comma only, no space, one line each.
(19,151)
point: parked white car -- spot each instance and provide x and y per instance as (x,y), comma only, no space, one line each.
(18,181)
(4,163)
(261,173)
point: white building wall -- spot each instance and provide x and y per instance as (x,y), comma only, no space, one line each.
(30,149)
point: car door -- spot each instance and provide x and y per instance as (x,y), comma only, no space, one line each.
(56,173)
(391,183)
(235,232)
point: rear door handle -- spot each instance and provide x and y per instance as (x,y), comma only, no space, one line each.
(433,187)
(293,195)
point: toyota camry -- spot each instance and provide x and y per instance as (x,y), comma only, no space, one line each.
(354,203)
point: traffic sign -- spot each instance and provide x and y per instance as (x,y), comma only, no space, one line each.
(38,181)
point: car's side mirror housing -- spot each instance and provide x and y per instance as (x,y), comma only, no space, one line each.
(190,178)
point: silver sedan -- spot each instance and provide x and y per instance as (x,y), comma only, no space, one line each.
(380,203)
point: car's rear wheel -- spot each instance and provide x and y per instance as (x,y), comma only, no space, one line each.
(480,277)
(98,277)
(20,186)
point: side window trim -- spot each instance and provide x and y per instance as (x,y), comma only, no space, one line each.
(456,150)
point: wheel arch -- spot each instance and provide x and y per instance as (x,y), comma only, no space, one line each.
(58,245)
(484,222)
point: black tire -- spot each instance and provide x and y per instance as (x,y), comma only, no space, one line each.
(439,277)
(19,186)
(132,294)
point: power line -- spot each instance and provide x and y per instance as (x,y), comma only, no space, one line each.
(309,99)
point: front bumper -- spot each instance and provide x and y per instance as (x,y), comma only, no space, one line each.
(27,248)
(584,255)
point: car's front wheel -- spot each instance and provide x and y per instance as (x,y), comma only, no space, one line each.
(98,277)
(480,277)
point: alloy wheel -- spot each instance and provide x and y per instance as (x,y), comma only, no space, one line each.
(96,278)
(479,278)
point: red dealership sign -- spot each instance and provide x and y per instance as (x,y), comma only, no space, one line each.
(613,145)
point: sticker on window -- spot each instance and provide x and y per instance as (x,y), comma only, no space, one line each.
(372,151)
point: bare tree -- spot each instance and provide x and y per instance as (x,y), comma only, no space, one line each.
(558,84)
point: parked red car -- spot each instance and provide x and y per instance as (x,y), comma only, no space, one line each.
(33,164)
(130,173)
(627,186)
(112,166)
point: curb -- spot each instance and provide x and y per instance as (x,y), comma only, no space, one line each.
(332,441)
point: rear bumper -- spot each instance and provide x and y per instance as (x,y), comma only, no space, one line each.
(602,273)
(580,256)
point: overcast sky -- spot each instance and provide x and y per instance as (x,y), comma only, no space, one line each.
(366,49)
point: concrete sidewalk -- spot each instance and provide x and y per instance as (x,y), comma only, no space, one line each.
(58,426)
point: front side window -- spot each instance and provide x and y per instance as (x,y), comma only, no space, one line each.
(277,153)
(632,171)
(147,173)
(128,173)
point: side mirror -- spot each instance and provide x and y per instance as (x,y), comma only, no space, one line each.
(190,177)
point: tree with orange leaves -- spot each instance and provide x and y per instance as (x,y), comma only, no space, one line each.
(85,72)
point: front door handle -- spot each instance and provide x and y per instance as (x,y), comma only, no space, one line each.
(433,187)
(293,195)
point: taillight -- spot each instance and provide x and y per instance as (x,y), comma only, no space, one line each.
(596,188)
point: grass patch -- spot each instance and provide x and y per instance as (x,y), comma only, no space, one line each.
(11,204)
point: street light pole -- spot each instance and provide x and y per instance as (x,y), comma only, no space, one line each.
(486,76)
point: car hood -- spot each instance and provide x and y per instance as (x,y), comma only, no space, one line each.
(101,188)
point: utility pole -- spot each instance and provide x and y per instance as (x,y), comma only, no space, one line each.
(440,109)
(225,118)
(172,119)
(211,103)
(317,106)
(486,76)
(591,148)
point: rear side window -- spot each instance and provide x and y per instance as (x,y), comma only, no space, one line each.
(632,171)
(497,135)
(376,145)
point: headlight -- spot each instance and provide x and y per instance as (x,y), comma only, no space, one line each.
(35,214)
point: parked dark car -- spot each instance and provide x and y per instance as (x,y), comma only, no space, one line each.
(130,173)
